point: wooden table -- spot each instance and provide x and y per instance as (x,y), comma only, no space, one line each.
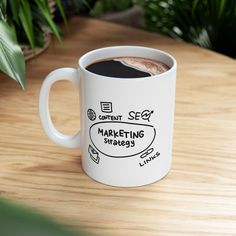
(198,197)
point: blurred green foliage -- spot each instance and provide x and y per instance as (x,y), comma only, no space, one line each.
(208,23)
(16,220)
(103,6)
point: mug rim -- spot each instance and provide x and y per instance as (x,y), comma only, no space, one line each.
(82,58)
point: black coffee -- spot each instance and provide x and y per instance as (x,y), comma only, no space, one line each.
(127,67)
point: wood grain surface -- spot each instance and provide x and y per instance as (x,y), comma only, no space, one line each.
(198,197)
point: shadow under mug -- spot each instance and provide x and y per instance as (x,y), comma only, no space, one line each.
(126,123)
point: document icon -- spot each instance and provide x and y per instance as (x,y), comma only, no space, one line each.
(106,107)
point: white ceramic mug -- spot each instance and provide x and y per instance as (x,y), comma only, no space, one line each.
(126,124)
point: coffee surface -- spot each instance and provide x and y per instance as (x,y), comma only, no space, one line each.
(127,67)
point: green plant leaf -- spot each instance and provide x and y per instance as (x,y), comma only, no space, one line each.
(16,220)
(15,6)
(61,10)
(3,7)
(26,21)
(86,4)
(98,9)
(43,6)
(221,8)
(39,37)
(12,60)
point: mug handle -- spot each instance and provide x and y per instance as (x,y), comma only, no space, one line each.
(71,75)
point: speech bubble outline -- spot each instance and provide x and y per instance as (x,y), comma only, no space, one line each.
(121,122)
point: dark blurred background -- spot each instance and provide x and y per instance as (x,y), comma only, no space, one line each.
(207,23)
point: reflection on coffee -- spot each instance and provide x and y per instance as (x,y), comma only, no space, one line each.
(127,67)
